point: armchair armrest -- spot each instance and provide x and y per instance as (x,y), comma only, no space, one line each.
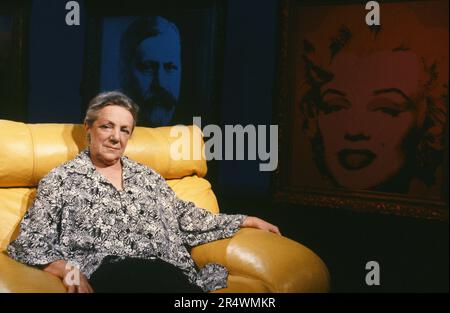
(261,261)
(17,277)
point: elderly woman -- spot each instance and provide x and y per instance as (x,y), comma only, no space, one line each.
(114,223)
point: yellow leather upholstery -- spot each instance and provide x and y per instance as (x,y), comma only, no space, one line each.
(280,264)
(13,204)
(258,261)
(30,151)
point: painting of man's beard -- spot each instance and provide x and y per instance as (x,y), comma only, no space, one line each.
(157,107)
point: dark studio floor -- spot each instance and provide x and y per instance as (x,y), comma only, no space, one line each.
(412,253)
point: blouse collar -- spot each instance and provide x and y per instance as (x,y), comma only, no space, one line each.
(83,165)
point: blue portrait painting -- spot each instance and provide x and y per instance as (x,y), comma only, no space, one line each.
(164,63)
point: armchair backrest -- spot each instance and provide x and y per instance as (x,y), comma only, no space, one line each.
(29,151)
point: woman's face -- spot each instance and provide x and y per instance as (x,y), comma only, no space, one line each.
(109,135)
(368,111)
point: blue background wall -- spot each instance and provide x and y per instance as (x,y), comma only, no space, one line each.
(248,85)
(55,63)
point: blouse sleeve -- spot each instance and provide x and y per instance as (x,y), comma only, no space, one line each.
(197,225)
(38,240)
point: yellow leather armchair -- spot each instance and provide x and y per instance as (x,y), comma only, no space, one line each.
(257,261)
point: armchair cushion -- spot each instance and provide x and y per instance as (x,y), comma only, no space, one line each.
(14,202)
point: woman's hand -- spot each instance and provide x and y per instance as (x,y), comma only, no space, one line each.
(255,222)
(69,275)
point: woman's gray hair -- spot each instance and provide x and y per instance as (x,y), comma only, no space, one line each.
(108,98)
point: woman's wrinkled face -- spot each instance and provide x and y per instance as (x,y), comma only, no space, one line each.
(109,135)
(368,110)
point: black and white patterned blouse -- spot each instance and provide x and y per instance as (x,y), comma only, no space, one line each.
(79,216)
